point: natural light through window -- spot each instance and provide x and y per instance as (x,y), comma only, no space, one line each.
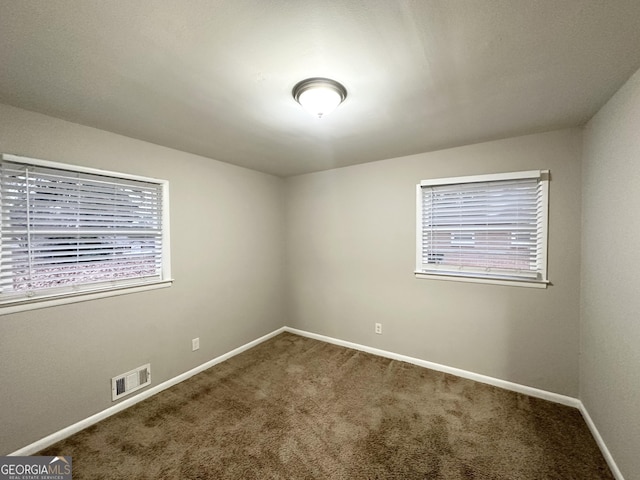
(490,228)
(68,231)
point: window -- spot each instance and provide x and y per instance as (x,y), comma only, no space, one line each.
(67,231)
(490,228)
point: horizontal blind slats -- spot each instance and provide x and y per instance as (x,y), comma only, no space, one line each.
(62,228)
(491,228)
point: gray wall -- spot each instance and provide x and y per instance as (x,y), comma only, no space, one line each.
(610,300)
(351,256)
(227,250)
(346,240)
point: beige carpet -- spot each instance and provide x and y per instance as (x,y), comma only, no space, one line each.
(296,408)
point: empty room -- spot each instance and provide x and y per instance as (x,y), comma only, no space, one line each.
(319,239)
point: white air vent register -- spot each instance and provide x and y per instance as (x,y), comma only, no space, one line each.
(130,382)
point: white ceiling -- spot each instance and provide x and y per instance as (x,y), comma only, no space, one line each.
(215,77)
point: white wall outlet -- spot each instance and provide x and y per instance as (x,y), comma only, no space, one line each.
(195,344)
(379,328)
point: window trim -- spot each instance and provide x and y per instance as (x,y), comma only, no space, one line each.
(67,298)
(99,291)
(542,175)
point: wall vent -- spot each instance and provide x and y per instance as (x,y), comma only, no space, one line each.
(129,382)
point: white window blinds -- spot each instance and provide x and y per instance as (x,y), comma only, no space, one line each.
(66,231)
(489,226)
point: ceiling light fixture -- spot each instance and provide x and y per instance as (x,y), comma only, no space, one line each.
(319,96)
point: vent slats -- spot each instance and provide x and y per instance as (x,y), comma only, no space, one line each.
(129,382)
(120,386)
(142,376)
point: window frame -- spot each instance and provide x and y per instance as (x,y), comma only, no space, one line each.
(13,305)
(543,176)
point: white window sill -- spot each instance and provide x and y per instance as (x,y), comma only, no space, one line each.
(493,281)
(36,303)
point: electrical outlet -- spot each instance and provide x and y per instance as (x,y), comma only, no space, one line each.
(195,344)
(379,328)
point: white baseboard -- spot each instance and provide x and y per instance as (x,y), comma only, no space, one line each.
(87,422)
(515,387)
(599,440)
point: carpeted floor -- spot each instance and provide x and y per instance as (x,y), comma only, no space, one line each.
(296,408)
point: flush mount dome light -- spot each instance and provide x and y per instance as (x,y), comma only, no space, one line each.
(319,96)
